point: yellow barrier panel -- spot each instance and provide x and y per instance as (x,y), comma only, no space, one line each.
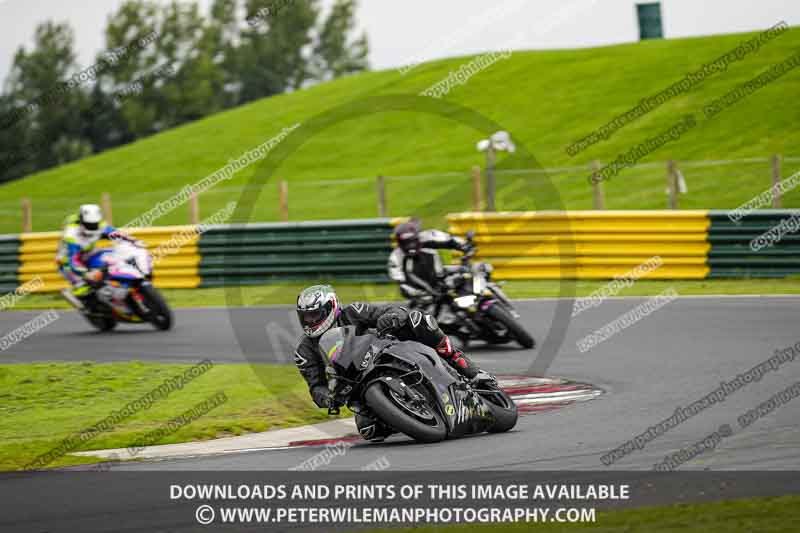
(54,282)
(589,244)
(549,249)
(548,222)
(598,272)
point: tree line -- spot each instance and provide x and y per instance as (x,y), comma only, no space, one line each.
(165,65)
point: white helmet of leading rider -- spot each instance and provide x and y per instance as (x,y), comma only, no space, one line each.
(89,218)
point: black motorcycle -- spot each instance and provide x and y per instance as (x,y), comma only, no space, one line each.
(474,307)
(408,387)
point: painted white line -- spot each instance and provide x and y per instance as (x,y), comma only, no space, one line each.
(533,400)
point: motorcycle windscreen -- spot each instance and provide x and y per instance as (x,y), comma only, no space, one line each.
(99,258)
(331,344)
(427,359)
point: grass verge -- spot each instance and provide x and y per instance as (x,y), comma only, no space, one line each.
(286,293)
(765,515)
(41,404)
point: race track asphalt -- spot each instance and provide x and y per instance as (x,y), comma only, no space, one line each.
(669,359)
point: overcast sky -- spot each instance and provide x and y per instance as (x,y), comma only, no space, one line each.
(402,31)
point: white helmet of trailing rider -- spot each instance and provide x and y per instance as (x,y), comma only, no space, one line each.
(89,218)
(317,309)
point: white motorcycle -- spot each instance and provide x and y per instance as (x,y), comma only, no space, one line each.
(124,291)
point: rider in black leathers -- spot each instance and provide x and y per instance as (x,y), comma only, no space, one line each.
(416,265)
(318,310)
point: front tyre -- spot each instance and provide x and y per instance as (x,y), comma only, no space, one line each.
(425,425)
(503,409)
(102,322)
(160,315)
(515,329)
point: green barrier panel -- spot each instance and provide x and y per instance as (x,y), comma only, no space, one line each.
(746,237)
(211,282)
(731,254)
(318,262)
(752,273)
(239,254)
(234,239)
(9,262)
(286,269)
(780,249)
(295,248)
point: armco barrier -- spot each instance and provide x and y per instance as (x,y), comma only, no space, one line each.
(356,250)
(528,245)
(9,262)
(732,256)
(605,244)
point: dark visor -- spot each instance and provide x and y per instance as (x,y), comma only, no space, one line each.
(91,226)
(312,317)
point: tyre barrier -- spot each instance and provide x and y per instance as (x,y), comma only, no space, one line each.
(692,244)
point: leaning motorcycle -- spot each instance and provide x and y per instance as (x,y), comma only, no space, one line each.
(124,291)
(478,308)
(408,387)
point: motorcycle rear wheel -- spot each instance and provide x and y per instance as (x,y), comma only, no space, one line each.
(392,413)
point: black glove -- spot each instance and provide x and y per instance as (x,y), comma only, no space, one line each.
(393,320)
(321,396)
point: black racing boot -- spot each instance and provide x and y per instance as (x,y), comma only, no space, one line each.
(372,429)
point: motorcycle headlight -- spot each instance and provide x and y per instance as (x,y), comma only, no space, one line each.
(465,302)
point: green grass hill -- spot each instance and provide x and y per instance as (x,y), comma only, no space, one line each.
(546,99)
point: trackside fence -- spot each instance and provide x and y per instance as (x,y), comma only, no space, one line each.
(604,244)
(235,254)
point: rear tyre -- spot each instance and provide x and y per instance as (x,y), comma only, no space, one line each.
(390,411)
(515,329)
(160,314)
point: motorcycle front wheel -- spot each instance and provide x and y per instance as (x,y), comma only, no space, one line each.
(102,322)
(160,314)
(422,424)
(503,409)
(498,313)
